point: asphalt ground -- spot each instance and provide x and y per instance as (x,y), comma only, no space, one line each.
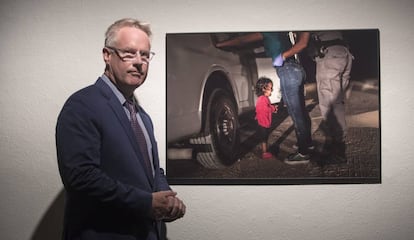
(362,163)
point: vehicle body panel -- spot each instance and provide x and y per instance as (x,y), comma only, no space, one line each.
(192,60)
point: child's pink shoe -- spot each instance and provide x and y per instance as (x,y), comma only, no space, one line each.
(267,155)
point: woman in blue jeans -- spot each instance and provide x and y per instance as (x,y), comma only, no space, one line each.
(292,76)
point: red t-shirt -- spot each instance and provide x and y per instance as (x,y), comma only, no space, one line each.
(264,111)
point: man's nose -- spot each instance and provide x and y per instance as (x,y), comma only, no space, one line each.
(138,64)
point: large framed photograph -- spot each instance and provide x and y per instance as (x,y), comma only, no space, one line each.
(215,131)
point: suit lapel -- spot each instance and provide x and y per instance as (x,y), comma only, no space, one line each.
(154,150)
(119,111)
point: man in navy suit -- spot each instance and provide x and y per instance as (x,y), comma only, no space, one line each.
(114,188)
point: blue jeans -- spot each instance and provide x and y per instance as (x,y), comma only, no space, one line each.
(292,78)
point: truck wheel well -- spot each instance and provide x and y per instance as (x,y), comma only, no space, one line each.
(217,80)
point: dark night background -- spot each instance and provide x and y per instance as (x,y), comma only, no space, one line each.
(364,46)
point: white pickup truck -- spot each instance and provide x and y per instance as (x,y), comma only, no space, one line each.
(207,90)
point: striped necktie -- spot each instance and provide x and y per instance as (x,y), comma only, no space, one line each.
(139,135)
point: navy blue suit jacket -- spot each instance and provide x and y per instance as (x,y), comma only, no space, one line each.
(108,190)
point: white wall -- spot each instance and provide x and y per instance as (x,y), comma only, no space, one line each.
(50,48)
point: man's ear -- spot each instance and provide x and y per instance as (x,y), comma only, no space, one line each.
(106,55)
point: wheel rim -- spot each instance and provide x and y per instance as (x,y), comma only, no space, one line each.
(224,129)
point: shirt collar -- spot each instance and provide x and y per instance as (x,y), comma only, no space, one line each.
(114,89)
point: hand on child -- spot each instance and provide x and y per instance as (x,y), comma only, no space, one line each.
(275,107)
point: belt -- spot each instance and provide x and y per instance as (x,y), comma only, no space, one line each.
(333,42)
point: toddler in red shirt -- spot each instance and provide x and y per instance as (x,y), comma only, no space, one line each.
(264,110)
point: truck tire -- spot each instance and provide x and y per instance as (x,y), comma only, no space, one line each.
(221,134)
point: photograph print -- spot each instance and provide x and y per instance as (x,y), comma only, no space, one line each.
(276,107)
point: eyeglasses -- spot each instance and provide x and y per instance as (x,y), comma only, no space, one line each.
(129,56)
